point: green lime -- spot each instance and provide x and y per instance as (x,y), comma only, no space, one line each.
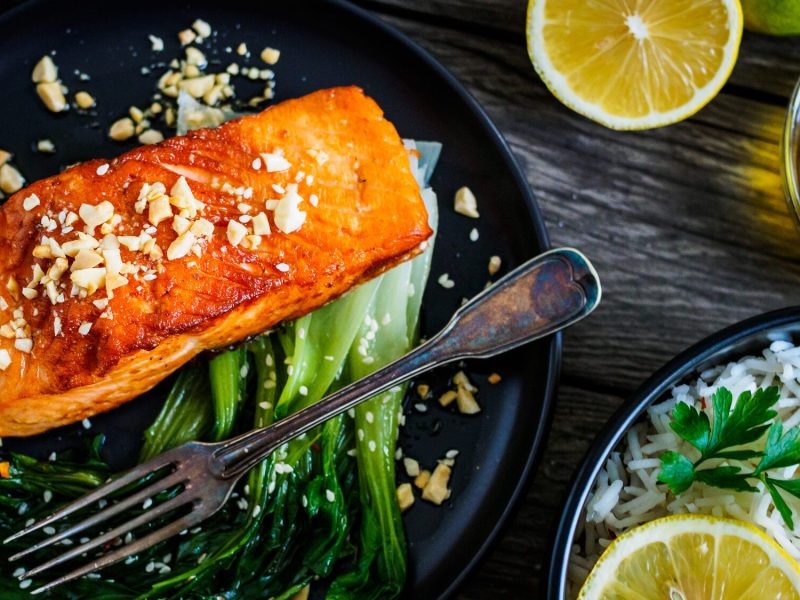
(775,17)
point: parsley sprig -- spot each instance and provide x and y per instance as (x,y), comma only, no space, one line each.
(724,436)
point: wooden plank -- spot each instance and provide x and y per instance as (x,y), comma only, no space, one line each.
(768,67)
(514,568)
(687,224)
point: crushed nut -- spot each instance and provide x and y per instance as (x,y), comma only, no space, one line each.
(52,96)
(435,489)
(448,397)
(494,265)
(84,100)
(467,404)
(423,390)
(11,180)
(405,496)
(5,362)
(121,130)
(466,204)
(236,232)
(422,479)
(186,37)
(4,157)
(270,55)
(494,378)
(151,136)
(45,71)
(156,43)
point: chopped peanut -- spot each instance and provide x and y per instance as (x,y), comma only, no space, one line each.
(467,404)
(5,467)
(466,204)
(121,130)
(405,496)
(45,71)
(270,55)
(435,489)
(421,480)
(186,37)
(52,96)
(494,265)
(4,157)
(423,390)
(11,180)
(151,136)
(447,398)
(494,378)
(84,100)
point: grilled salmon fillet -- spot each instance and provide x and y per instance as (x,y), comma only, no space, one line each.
(115,273)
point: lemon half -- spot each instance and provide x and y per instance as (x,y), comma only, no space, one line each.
(693,557)
(634,64)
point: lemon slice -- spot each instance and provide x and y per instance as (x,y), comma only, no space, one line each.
(634,64)
(693,557)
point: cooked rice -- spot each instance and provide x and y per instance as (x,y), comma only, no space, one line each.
(627,494)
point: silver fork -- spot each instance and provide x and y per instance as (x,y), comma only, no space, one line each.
(546,294)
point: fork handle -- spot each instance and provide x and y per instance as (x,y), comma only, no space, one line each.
(542,296)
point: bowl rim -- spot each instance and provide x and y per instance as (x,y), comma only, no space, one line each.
(789,153)
(617,426)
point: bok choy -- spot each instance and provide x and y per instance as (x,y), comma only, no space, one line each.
(321,508)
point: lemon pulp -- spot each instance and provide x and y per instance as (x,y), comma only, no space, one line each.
(633,64)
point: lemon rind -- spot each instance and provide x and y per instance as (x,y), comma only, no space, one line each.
(558,86)
(636,538)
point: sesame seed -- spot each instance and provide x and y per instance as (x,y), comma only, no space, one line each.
(474,235)
(47,495)
(19,572)
(328,357)
(301,333)
(330,495)
(49,530)
(360,434)
(282,267)
(25,584)
(128,537)
(151,566)
(421,407)
(102,169)
(147,504)
(256,510)
(87,424)
(372,446)
(370,416)
(352,452)
(52,457)
(445,281)
(303,390)
(452,453)
(265,405)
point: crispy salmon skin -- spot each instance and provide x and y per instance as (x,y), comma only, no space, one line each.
(115,273)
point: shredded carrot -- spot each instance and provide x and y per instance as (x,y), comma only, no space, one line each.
(5,470)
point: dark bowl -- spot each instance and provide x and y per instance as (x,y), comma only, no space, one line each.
(746,337)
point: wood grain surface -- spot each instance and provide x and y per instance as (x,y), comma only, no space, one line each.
(687,226)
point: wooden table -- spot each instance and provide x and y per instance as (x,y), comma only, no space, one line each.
(687,226)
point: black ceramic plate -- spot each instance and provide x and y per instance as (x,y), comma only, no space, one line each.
(322,44)
(747,337)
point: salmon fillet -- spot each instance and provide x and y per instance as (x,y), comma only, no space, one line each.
(115,273)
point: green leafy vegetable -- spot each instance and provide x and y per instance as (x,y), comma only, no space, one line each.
(720,441)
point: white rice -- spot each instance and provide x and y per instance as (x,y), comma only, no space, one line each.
(627,494)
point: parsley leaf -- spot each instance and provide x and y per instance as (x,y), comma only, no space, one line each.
(780,503)
(691,425)
(721,438)
(730,478)
(782,450)
(677,472)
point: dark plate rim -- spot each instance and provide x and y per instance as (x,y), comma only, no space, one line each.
(616,427)
(555,342)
